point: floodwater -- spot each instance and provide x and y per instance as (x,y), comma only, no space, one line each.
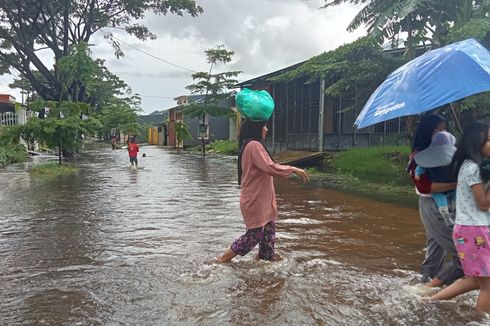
(111,246)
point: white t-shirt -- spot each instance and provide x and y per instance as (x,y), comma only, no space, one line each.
(467,211)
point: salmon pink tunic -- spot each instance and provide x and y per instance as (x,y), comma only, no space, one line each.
(257,196)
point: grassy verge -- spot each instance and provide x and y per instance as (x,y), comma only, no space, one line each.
(225,147)
(373,172)
(12,154)
(52,169)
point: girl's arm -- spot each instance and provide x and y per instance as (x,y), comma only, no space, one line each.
(482,196)
(262,160)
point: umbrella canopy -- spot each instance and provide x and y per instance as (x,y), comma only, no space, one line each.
(435,78)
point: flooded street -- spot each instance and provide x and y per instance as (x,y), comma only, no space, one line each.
(111,246)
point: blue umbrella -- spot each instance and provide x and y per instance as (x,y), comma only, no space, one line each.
(435,78)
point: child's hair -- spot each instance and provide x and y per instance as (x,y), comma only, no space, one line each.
(425,131)
(250,130)
(473,139)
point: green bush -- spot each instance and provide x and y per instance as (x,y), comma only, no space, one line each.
(374,164)
(12,154)
(226,147)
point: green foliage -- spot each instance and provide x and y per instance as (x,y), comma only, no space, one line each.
(26,88)
(226,147)
(214,86)
(435,23)
(478,28)
(10,135)
(195,110)
(182,132)
(56,26)
(53,130)
(425,22)
(374,164)
(120,115)
(12,154)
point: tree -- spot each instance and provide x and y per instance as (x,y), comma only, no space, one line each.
(31,27)
(473,21)
(25,89)
(62,128)
(214,87)
(424,22)
(70,119)
(434,23)
(120,114)
(181,133)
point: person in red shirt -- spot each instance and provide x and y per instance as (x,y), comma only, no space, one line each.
(133,150)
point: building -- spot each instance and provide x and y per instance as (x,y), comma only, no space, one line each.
(8,113)
(305,118)
(215,128)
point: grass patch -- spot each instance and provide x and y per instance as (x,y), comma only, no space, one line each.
(377,164)
(226,147)
(12,154)
(53,169)
(377,173)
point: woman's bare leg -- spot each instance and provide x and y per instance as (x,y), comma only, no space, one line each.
(226,256)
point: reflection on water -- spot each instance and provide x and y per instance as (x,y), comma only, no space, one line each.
(114,246)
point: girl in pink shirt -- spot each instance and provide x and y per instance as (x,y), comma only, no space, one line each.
(256,169)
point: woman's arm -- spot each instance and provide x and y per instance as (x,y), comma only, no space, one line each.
(262,160)
(442,187)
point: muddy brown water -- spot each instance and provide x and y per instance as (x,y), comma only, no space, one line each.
(111,246)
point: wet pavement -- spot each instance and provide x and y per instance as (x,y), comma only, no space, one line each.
(111,246)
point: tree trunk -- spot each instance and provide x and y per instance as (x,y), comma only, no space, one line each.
(202,138)
(59,149)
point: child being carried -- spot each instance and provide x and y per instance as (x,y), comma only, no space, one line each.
(434,161)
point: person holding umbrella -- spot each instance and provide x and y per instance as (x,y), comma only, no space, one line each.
(435,269)
(256,169)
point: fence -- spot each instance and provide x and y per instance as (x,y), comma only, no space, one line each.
(19,117)
(9,119)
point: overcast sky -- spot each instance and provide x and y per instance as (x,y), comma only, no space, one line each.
(266,35)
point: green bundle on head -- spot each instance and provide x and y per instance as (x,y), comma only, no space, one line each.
(254,105)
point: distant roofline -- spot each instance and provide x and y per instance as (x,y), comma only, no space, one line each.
(269,75)
(265,77)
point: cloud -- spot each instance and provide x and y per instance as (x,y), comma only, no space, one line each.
(266,35)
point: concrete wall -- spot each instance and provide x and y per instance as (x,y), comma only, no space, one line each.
(219,128)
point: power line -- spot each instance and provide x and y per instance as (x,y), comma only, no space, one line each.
(151,55)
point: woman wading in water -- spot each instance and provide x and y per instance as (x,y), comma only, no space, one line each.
(256,169)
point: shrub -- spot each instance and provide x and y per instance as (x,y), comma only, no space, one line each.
(12,154)
(226,147)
